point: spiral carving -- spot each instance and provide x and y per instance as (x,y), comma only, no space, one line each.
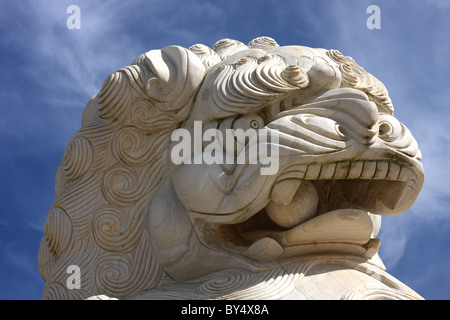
(348,75)
(355,76)
(337,56)
(145,116)
(260,81)
(228,282)
(296,76)
(56,291)
(114,230)
(120,186)
(226,47)
(60,181)
(208,56)
(130,146)
(77,158)
(46,261)
(378,293)
(263,42)
(119,274)
(247,285)
(58,231)
(113,272)
(126,143)
(272,73)
(142,113)
(90,113)
(114,96)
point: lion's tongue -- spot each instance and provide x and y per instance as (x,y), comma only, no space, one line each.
(342,225)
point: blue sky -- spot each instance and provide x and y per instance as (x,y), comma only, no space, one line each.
(49,72)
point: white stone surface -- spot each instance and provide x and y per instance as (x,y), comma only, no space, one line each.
(296,222)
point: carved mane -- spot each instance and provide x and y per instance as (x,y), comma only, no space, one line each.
(109,173)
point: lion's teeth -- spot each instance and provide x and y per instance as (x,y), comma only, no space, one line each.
(368,169)
(405,174)
(382,170)
(356,169)
(327,171)
(394,171)
(342,169)
(313,171)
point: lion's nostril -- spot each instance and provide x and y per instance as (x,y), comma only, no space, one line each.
(384,129)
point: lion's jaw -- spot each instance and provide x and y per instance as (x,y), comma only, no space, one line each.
(343,162)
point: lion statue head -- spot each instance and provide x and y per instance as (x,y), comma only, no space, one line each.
(136,209)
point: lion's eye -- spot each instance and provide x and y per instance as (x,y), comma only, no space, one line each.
(239,130)
(251,121)
(254,124)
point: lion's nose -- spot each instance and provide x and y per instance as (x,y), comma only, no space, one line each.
(358,119)
(355,115)
(345,109)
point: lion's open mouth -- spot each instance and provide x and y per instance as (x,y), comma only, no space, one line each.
(363,187)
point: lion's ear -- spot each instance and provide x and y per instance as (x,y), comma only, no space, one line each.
(177,73)
(167,79)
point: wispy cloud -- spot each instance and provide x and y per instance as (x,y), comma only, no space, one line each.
(18,259)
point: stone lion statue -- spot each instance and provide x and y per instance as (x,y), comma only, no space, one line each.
(152,202)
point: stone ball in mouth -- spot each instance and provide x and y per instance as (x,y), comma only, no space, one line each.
(301,208)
